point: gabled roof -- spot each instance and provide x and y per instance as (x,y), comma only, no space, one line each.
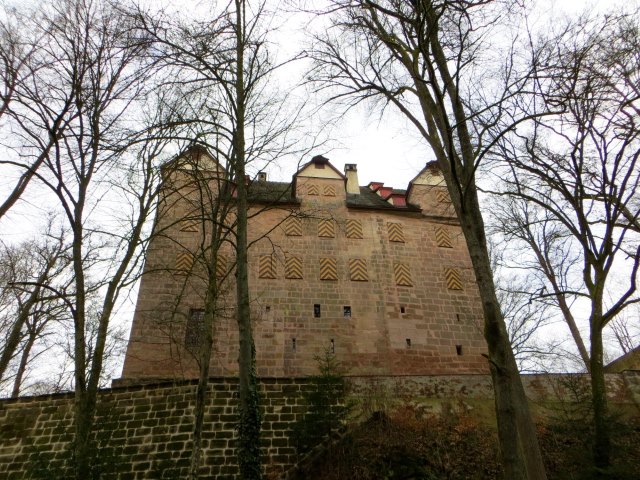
(194,154)
(370,200)
(628,361)
(271,193)
(317,161)
(431,169)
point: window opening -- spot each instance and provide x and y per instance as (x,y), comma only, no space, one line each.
(332,346)
(346,310)
(293,344)
(402,310)
(408,343)
(459,349)
(195,328)
(316,310)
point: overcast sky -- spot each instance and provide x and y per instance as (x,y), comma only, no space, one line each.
(385,149)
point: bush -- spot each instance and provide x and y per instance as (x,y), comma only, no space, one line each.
(325,403)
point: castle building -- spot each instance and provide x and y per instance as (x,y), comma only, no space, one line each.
(377,276)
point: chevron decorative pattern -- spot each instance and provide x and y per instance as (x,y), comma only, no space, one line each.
(454,280)
(326,228)
(221,265)
(267,267)
(354,229)
(395,232)
(328,269)
(443,239)
(402,274)
(293,267)
(293,227)
(442,196)
(330,190)
(184,262)
(190,225)
(313,190)
(358,270)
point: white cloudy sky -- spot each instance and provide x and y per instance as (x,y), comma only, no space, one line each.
(385,149)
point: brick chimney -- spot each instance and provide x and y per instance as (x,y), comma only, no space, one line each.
(262,176)
(351,172)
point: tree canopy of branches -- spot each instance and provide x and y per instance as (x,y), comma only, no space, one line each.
(221,71)
(28,308)
(425,59)
(573,180)
(79,120)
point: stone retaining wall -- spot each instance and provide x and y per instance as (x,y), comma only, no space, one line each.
(144,432)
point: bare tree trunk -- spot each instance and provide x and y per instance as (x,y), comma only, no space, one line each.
(13,340)
(249,413)
(83,412)
(520,451)
(24,359)
(602,438)
(206,347)
(549,272)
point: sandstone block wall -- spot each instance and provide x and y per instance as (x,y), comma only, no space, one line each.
(144,432)
(398,297)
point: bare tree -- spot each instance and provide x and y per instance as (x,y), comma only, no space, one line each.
(580,168)
(32,107)
(229,105)
(546,258)
(34,279)
(425,58)
(624,328)
(100,170)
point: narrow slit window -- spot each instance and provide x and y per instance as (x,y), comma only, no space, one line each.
(317,310)
(332,346)
(408,343)
(293,344)
(346,311)
(459,349)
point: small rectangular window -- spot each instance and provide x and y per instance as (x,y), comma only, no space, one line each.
(346,310)
(332,346)
(402,310)
(267,308)
(293,344)
(408,343)
(459,349)
(316,310)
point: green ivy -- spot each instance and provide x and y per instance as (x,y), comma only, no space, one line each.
(249,430)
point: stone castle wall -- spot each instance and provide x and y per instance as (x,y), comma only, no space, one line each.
(395,288)
(144,431)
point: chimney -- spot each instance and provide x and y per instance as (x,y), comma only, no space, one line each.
(262,176)
(351,172)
